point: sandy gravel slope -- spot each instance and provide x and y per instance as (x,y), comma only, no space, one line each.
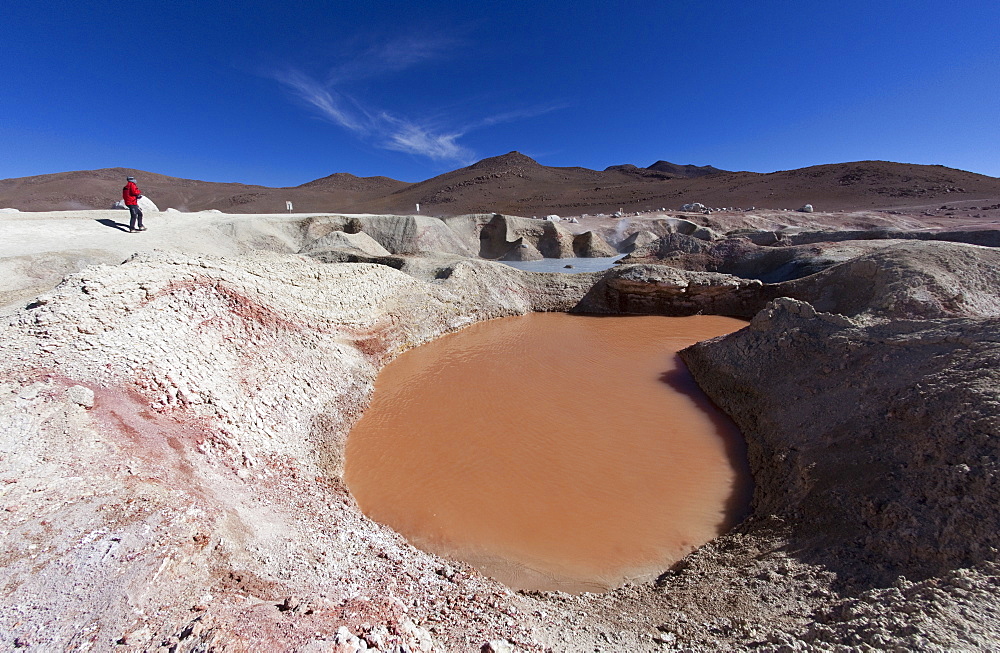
(39,249)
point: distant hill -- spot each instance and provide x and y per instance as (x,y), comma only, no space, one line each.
(517,184)
(511,183)
(347,181)
(99,189)
(514,183)
(688,170)
(666,170)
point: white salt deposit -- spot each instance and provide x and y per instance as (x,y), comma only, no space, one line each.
(144,203)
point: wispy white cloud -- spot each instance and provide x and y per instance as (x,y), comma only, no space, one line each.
(381,128)
(404,136)
(520,114)
(384,129)
(322,99)
(389,57)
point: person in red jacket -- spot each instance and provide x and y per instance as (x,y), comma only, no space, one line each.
(131,195)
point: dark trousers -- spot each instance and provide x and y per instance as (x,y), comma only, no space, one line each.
(136,216)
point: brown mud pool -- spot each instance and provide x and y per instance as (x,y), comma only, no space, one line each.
(552,451)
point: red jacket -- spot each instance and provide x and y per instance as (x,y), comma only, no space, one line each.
(131,194)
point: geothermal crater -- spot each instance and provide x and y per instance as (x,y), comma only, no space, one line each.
(174,427)
(552,451)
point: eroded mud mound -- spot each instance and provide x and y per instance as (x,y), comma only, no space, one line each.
(664,290)
(875,451)
(742,257)
(907,280)
(881,443)
(894,279)
(512,238)
(172,431)
(773,258)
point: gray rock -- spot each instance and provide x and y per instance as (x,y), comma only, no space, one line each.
(503,233)
(144,203)
(522,251)
(906,431)
(590,245)
(638,239)
(359,241)
(81,395)
(399,234)
(705,233)
(694,207)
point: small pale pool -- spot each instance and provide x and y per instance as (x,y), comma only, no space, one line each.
(559,264)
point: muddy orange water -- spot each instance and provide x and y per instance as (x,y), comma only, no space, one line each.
(552,451)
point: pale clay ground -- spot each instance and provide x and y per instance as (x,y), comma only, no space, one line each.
(171,433)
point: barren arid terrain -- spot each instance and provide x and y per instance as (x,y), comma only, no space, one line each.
(517,184)
(174,406)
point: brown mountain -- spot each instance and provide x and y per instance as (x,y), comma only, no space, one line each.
(666,170)
(516,184)
(345,181)
(512,183)
(100,189)
(685,170)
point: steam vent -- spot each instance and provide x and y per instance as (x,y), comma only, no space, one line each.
(177,474)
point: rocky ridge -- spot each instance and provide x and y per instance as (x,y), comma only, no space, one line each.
(516,184)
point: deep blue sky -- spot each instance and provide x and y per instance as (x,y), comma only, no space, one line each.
(280,93)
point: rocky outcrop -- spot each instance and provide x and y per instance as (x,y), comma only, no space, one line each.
(522,250)
(636,240)
(411,234)
(863,280)
(879,444)
(467,227)
(590,245)
(662,290)
(984,237)
(339,240)
(801,236)
(504,233)
(906,280)
(741,256)
(667,226)
(623,234)
(661,248)
(143,203)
